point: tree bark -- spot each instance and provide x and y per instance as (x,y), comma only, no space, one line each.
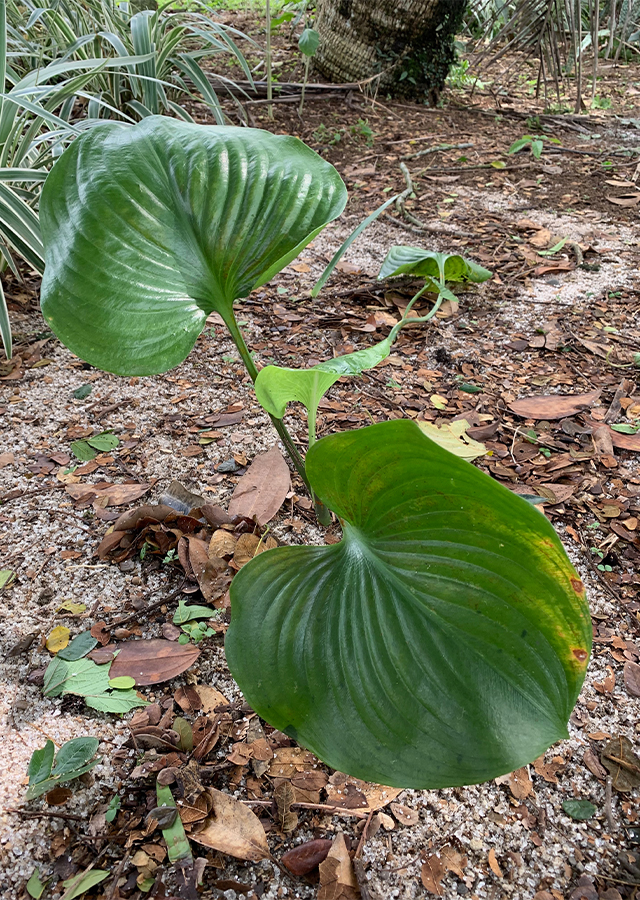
(406,45)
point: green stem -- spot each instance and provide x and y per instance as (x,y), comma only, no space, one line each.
(278,424)
(268,61)
(311,425)
(307,61)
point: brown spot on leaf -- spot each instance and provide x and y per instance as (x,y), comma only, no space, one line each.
(577,585)
(580,654)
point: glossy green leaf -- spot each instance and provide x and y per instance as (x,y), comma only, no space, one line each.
(579,809)
(402,260)
(81,883)
(174,835)
(357,231)
(35,887)
(453,437)
(74,754)
(442,642)
(309,41)
(41,763)
(82,451)
(103,442)
(520,144)
(7,577)
(112,809)
(186,613)
(91,681)
(187,219)
(122,682)
(82,644)
(73,759)
(5,328)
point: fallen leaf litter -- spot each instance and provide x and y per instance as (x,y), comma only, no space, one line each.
(510,838)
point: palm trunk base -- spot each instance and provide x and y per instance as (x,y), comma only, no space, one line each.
(404,46)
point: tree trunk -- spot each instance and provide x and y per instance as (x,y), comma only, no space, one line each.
(407,44)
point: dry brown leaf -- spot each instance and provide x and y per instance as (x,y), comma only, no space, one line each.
(306,857)
(594,765)
(6,459)
(263,488)
(541,239)
(250,545)
(632,678)
(285,795)
(493,863)
(337,877)
(553,406)
(454,860)
(152,661)
(210,698)
(290,761)
(621,762)
(548,770)
(404,814)
(606,686)
(602,440)
(222,544)
(206,568)
(626,200)
(432,872)
(519,783)
(232,828)
(351,793)
(115,494)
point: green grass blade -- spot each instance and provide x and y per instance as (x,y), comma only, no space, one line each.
(320,283)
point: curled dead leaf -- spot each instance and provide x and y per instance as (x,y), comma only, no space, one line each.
(306,857)
(337,876)
(232,828)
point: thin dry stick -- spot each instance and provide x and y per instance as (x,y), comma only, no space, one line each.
(113,890)
(608,809)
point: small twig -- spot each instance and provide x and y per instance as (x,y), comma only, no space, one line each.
(431,229)
(45,815)
(608,808)
(363,836)
(147,609)
(437,149)
(335,810)
(7,498)
(113,890)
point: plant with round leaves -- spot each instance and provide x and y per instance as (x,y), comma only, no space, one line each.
(442,642)
(435,268)
(308,44)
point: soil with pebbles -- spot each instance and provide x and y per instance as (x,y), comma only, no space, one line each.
(516,841)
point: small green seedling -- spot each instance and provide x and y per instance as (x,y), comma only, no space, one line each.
(308,44)
(186,617)
(112,809)
(48,769)
(535,143)
(89,448)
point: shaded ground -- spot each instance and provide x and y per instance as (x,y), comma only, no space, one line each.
(546,324)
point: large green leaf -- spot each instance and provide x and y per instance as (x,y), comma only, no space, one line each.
(148,229)
(402,260)
(442,642)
